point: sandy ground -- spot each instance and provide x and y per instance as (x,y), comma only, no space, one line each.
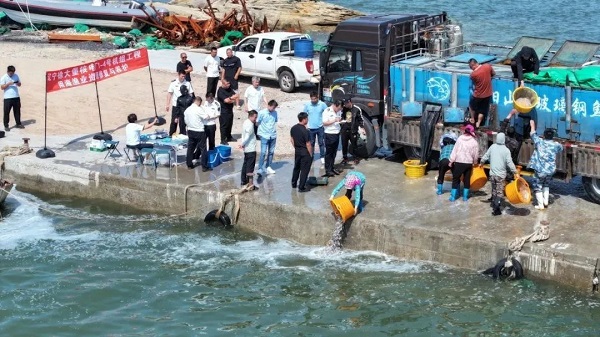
(74,112)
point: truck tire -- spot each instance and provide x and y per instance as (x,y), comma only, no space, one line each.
(368,148)
(592,188)
(287,82)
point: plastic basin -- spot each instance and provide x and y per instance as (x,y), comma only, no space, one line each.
(527,93)
(342,207)
(518,192)
(414,168)
(478,178)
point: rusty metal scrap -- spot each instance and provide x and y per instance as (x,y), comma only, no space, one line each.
(188,31)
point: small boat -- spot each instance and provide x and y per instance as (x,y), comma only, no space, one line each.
(5,188)
(61,13)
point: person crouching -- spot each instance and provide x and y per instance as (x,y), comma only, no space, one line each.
(500,158)
(353,181)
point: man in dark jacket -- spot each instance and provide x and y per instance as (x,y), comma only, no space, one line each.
(525,61)
(351,120)
(183,102)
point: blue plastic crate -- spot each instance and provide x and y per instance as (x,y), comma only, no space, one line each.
(224,152)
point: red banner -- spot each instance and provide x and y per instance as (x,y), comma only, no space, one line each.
(96,71)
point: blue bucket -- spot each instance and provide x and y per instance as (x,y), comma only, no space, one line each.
(214,159)
(224,152)
(304,48)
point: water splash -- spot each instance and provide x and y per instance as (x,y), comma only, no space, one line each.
(335,244)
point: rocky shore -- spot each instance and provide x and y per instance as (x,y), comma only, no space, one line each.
(301,15)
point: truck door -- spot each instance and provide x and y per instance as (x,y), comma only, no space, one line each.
(337,79)
(246,51)
(265,61)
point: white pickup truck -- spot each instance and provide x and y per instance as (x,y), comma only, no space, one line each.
(271,56)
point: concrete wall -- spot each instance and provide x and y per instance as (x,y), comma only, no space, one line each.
(300,224)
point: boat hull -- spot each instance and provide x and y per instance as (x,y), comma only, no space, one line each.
(63,14)
(5,188)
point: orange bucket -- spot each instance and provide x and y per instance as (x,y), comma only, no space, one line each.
(518,192)
(478,178)
(342,207)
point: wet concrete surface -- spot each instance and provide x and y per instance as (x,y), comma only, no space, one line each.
(402,216)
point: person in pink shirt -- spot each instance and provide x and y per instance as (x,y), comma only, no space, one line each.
(462,158)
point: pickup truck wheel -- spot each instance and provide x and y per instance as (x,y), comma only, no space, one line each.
(287,82)
(592,188)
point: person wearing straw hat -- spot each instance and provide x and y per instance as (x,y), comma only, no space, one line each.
(543,162)
(354,181)
(500,158)
(464,155)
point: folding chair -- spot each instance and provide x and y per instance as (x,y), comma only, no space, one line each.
(158,151)
(111,146)
(147,152)
(131,157)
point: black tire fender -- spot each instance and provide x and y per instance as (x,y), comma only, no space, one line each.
(224,219)
(500,272)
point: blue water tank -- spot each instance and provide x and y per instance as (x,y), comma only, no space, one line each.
(304,48)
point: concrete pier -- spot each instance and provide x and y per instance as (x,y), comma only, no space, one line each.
(403,217)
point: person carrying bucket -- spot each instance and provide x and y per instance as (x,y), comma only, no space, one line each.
(447,144)
(464,155)
(500,158)
(353,181)
(543,162)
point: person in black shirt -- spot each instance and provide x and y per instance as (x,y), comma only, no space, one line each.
(231,69)
(183,102)
(351,119)
(525,61)
(186,66)
(226,96)
(303,152)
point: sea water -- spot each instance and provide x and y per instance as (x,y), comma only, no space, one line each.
(71,269)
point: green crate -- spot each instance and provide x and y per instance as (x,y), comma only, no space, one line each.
(97,150)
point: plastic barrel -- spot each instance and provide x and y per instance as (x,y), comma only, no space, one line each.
(214,159)
(224,152)
(478,178)
(304,48)
(342,207)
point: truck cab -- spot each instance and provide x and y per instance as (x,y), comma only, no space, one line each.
(355,62)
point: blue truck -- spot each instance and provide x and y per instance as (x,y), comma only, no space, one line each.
(398,68)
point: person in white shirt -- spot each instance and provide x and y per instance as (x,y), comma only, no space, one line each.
(212,66)
(173,93)
(10,83)
(134,130)
(196,149)
(248,144)
(331,123)
(213,111)
(254,95)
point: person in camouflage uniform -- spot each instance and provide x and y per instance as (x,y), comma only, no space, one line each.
(543,162)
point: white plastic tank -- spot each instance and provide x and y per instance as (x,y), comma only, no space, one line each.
(438,44)
(455,38)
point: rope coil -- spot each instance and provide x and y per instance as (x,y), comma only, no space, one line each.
(541,232)
(235,196)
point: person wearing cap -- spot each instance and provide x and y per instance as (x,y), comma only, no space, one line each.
(500,158)
(354,181)
(525,61)
(447,145)
(267,131)
(464,155)
(479,104)
(331,125)
(351,118)
(543,163)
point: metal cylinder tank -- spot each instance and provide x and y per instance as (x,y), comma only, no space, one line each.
(438,44)
(455,39)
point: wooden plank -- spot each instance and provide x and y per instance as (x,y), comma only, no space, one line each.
(57,37)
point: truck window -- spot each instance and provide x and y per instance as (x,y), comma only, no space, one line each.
(340,60)
(266,46)
(248,45)
(285,46)
(358,58)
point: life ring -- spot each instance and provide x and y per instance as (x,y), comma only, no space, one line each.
(514,271)
(224,219)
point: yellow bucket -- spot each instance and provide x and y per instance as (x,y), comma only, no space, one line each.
(414,168)
(518,192)
(478,178)
(342,207)
(524,92)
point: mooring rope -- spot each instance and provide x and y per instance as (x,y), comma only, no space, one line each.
(541,232)
(235,196)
